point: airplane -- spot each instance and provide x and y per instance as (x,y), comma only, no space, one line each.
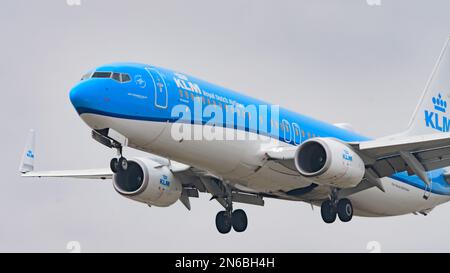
(203,138)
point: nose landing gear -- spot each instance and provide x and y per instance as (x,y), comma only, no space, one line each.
(119,164)
(103,136)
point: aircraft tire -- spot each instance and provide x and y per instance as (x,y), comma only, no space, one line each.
(239,220)
(223,222)
(328,212)
(345,210)
(123,164)
(114,165)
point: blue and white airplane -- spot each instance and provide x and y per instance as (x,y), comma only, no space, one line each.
(204,138)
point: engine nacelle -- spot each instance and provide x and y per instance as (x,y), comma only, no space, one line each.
(328,161)
(148,182)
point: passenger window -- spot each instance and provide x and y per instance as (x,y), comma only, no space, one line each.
(116,76)
(126,78)
(101,75)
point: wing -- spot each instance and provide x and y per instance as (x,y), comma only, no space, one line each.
(193,180)
(387,156)
(415,154)
(86,174)
(27,166)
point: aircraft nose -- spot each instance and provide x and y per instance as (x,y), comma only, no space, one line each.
(79,96)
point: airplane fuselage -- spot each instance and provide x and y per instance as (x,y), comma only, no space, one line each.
(225,133)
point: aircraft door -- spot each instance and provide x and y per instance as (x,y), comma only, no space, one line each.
(297,134)
(287,130)
(160,87)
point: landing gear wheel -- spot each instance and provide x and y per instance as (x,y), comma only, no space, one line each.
(114,165)
(328,212)
(123,164)
(239,220)
(223,222)
(345,210)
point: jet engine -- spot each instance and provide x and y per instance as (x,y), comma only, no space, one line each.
(328,161)
(148,182)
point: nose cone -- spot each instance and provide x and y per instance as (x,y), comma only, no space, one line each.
(79,96)
(75,97)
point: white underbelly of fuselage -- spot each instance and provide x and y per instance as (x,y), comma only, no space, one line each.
(242,163)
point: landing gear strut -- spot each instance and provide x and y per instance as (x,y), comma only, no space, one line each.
(342,208)
(117,164)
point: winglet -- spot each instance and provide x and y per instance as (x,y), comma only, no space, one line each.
(27,162)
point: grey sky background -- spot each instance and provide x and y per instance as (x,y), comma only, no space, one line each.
(339,61)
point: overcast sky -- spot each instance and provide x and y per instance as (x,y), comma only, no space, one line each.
(339,61)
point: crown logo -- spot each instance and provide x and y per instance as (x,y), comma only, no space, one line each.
(439,103)
(30,154)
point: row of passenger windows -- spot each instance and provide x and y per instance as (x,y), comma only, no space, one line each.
(239,112)
(297,131)
(119,77)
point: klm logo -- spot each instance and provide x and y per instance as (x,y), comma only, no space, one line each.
(30,154)
(347,156)
(183,82)
(436,119)
(164,181)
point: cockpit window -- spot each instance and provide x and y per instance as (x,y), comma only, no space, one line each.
(119,77)
(126,78)
(99,74)
(116,76)
(86,76)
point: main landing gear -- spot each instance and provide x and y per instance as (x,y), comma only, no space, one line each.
(225,220)
(331,209)
(229,218)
